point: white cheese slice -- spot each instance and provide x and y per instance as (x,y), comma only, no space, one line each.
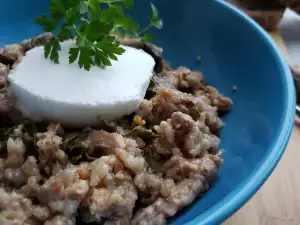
(76,97)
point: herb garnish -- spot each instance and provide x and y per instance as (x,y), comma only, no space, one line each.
(95,24)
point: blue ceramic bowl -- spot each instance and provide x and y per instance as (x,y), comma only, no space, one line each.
(234,51)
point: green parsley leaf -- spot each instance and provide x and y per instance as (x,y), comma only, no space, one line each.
(73,54)
(46,22)
(115,13)
(58,6)
(148,37)
(84,26)
(72,16)
(47,48)
(57,9)
(93,22)
(94,33)
(65,33)
(128,3)
(93,4)
(51,49)
(155,19)
(98,58)
(72,3)
(84,7)
(112,56)
(130,25)
(85,58)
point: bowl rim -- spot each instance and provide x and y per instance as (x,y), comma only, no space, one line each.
(241,194)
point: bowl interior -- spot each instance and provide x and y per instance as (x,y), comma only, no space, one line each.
(234,51)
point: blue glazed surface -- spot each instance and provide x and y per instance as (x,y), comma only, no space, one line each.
(234,51)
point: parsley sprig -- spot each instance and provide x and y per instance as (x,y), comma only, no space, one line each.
(94,24)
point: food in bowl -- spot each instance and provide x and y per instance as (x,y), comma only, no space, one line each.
(151,151)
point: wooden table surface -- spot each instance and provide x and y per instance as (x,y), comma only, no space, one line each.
(278,201)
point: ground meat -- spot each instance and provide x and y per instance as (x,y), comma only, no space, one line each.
(63,192)
(56,128)
(31,188)
(14,51)
(4,59)
(15,159)
(139,175)
(132,160)
(180,196)
(184,79)
(3,77)
(178,167)
(105,203)
(37,41)
(15,153)
(61,220)
(19,176)
(104,143)
(51,158)
(168,101)
(15,170)
(120,221)
(30,168)
(192,82)
(182,132)
(15,209)
(112,194)
(151,186)
(41,213)
(13,177)
(5,105)
(215,98)
(101,171)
